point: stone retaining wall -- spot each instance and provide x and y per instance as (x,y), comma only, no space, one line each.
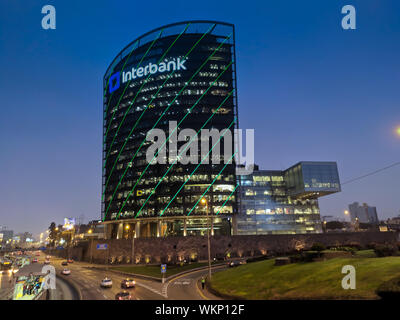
(175,249)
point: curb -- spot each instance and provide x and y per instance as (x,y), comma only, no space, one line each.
(192,270)
(224,296)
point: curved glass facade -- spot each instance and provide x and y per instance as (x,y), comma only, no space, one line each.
(181,76)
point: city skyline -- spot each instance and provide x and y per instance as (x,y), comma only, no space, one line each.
(311,90)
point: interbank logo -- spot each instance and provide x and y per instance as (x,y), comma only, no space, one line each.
(114,82)
(173,64)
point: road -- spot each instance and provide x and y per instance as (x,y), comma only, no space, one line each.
(87,278)
(186,286)
(6,285)
(63,291)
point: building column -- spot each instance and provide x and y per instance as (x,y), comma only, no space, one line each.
(120,230)
(212,225)
(107,230)
(148,231)
(137,229)
(234,226)
(184,227)
(159,228)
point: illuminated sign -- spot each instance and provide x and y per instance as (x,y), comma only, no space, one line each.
(173,64)
(69,223)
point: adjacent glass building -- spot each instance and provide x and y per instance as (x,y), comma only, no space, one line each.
(285,202)
(178,76)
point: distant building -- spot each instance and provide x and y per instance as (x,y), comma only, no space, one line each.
(332,218)
(93,230)
(394,223)
(363,214)
(6,235)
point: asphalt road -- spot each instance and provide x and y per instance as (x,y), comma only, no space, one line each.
(5,285)
(185,287)
(63,291)
(87,279)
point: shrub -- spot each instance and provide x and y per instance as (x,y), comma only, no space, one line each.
(259,258)
(305,256)
(309,256)
(371,245)
(389,289)
(355,245)
(347,249)
(385,250)
(318,247)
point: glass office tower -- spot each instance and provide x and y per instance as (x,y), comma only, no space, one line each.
(285,202)
(176,77)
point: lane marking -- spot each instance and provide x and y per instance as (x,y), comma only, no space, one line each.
(151,289)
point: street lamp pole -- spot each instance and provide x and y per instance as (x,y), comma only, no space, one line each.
(204,201)
(133,246)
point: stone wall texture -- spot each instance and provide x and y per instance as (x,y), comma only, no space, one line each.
(175,249)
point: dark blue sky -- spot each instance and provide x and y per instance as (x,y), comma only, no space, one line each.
(311,91)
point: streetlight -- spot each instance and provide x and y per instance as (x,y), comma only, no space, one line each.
(204,202)
(127,227)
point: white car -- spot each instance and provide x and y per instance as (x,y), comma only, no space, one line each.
(106,283)
(66,272)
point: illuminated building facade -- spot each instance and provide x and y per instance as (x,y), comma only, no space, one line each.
(285,202)
(183,73)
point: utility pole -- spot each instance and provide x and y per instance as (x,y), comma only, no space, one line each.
(204,201)
(133,246)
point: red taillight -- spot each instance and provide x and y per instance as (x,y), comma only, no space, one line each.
(120,298)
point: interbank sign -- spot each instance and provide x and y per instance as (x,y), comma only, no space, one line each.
(173,64)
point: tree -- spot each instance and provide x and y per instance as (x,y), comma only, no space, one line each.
(52,234)
(332,225)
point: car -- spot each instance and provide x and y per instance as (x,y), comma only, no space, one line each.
(47,261)
(37,254)
(234,264)
(34,260)
(70,261)
(64,263)
(123,295)
(106,283)
(128,283)
(66,272)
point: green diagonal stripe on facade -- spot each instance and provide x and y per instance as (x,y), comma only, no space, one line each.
(159,89)
(198,100)
(215,179)
(198,70)
(138,120)
(223,205)
(187,146)
(127,85)
(140,89)
(195,169)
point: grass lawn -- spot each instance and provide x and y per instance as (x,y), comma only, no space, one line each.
(313,280)
(155,271)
